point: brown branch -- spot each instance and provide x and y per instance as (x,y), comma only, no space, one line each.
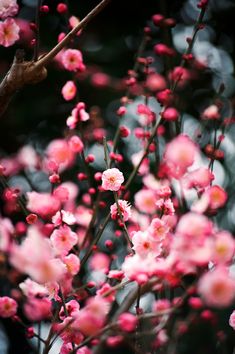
(23,72)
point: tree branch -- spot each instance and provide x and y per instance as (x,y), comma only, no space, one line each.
(23,72)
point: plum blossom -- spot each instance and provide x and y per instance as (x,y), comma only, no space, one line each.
(232,320)
(125,209)
(72,60)
(35,257)
(9,32)
(180,154)
(145,201)
(63,239)
(69,90)
(8,307)
(112,179)
(217,288)
(43,204)
(145,246)
(8,8)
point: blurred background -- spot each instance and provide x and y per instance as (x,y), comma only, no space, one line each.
(109,44)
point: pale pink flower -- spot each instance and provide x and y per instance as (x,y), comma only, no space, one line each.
(6,232)
(69,90)
(72,60)
(158,229)
(68,333)
(195,226)
(138,268)
(180,154)
(9,32)
(72,263)
(217,288)
(217,197)
(100,261)
(8,307)
(59,151)
(72,308)
(27,157)
(224,247)
(165,206)
(232,320)
(145,201)
(53,290)
(211,113)
(8,8)
(43,204)
(199,178)
(63,240)
(92,317)
(32,289)
(144,246)
(112,179)
(63,216)
(124,207)
(127,322)
(83,215)
(35,257)
(76,144)
(37,309)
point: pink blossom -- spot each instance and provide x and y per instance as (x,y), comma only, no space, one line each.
(217,197)
(59,151)
(72,60)
(43,204)
(155,82)
(158,229)
(165,206)
(32,289)
(69,90)
(76,144)
(100,261)
(144,167)
(124,207)
(35,257)
(232,320)
(138,268)
(63,216)
(72,308)
(112,179)
(72,263)
(127,322)
(8,307)
(63,239)
(92,317)
(37,309)
(8,8)
(217,288)
(199,178)
(224,247)
(144,245)
(211,113)
(27,157)
(179,154)
(145,201)
(9,32)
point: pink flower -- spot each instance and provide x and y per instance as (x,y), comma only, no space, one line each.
(144,246)
(158,229)
(72,263)
(124,207)
(9,32)
(59,152)
(35,257)
(63,216)
(127,322)
(224,247)
(72,60)
(199,178)
(43,204)
(211,113)
(8,8)
(232,320)
(179,155)
(32,289)
(69,90)
(217,197)
(63,239)
(8,307)
(76,144)
(72,308)
(217,288)
(37,309)
(112,179)
(145,201)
